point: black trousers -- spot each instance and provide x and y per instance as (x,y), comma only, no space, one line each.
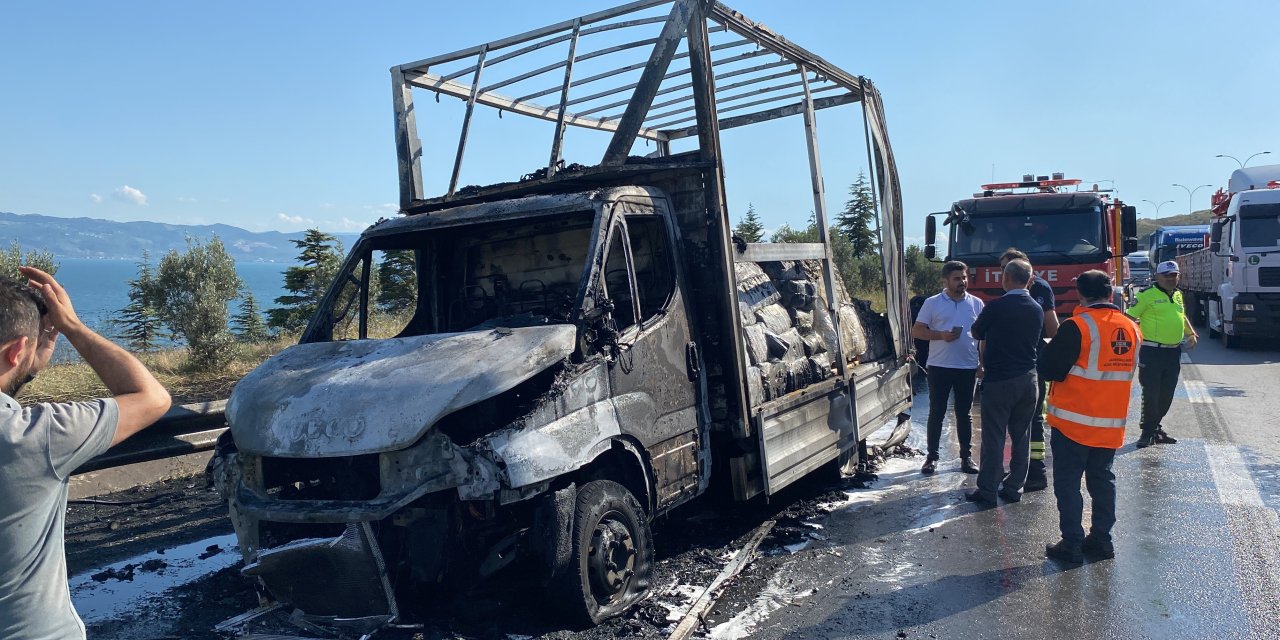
(1070,461)
(1037,428)
(942,382)
(1158,371)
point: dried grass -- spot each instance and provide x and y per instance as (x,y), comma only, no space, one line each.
(76,381)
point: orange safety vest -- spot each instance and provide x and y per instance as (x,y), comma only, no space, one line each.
(1091,404)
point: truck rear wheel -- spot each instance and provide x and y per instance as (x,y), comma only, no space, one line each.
(612,555)
(1194,307)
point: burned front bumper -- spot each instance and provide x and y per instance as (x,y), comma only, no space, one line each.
(342,581)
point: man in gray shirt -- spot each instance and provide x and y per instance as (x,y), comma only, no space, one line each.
(41,445)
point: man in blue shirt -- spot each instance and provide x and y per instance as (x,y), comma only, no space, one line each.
(944,320)
(1009,328)
(1042,294)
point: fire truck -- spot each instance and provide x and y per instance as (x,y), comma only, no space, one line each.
(1064,230)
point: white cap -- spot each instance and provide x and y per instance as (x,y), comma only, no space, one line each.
(1168,266)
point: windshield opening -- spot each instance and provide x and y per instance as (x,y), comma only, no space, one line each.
(509,274)
(1260,225)
(1068,236)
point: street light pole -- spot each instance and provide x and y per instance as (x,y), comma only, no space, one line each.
(1157,205)
(1246,160)
(1191,193)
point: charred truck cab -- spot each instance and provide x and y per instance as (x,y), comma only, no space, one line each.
(585,349)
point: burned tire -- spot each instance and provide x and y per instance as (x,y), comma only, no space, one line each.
(612,556)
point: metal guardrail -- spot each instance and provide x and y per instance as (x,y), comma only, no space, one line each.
(184,429)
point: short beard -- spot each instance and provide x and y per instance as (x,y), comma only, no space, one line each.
(22,375)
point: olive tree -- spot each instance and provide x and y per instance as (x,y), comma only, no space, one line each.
(13,258)
(192,290)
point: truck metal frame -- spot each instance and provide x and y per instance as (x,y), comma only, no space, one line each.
(506,438)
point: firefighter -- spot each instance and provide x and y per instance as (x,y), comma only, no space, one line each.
(1165,326)
(1091,362)
(1042,294)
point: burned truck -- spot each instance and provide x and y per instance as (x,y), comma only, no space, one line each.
(585,348)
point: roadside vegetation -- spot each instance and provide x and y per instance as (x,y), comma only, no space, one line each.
(179,323)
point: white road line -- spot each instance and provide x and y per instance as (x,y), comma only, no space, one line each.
(1197,392)
(1231,476)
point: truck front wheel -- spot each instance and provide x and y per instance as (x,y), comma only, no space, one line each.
(612,555)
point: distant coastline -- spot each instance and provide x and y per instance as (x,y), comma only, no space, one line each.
(97,239)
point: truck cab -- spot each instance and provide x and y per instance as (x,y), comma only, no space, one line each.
(1063,232)
(1236,282)
(1139,269)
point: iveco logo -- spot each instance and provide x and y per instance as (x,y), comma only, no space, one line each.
(1120,342)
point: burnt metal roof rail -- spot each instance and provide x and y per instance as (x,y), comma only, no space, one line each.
(766,68)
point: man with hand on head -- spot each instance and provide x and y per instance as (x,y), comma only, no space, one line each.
(944,320)
(1009,328)
(41,445)
(1091,363)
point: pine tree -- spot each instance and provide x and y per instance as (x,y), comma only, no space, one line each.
(139,322)
(750,229)
(321,257)
(398,277)
(856,219)
(248,324)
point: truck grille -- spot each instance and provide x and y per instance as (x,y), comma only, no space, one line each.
(1269,277)
(344,478)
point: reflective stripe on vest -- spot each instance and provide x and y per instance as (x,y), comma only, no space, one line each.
(1089,406)
(1088,421)
(1095,347)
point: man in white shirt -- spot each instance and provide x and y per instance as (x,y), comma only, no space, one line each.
(945,320)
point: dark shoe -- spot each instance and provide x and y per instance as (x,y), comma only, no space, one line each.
(1064,552)
(1036,479)
(1011,496)
(1098,549)
(1164,438)
(967,465)
(976,496)
(930,466)
(1145,440)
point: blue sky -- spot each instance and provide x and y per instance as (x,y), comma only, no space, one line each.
(277,115)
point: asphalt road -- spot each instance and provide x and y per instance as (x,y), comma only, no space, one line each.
(1197,542)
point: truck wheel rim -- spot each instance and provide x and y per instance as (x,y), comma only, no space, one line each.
(611,558)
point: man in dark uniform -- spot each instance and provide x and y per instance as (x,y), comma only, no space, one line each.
(1042,294)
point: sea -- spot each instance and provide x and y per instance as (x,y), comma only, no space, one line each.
(99,289)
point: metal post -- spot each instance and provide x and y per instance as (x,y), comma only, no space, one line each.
(820,210)
(408,146)
(564,100)
(704,92)
(871,168)
(466,121)
(629,125)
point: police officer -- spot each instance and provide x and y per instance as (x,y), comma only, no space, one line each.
(1165,326)
(1042,294)
(1091,363)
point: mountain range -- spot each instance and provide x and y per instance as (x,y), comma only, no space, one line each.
(110,240)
